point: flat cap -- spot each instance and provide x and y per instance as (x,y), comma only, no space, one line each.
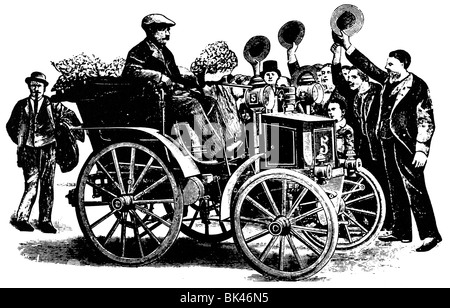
(153,19)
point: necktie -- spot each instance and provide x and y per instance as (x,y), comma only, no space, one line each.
(36,106)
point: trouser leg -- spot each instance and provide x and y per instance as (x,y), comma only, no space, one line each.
(398,196)
(419,199)
(30,170)
(47,172)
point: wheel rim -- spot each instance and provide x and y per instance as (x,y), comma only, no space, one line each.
(202,222)
(129,204)
(274,210)
(361,214)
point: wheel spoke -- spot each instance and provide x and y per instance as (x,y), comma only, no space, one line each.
(302,238)
(259,206)
(297,202)
(148,189)
(193,218)
(94,203)
(141,176)
(153,201)
(310,229)
(269,246)
(131,175)
(362,198)
(124,230)
(307,214)
(294,249)
(101,188)
(347,232)
(283,197)
(111,231)
(356,222)
(146,211)
(99,164)
(102,219)
(269,196)
(256,236)
(146,229)
(136,232)
(257,221)
(360,211)
(119,174)
(282,251)
(356,187)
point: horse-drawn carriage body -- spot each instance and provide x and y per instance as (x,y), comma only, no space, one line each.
(285,199)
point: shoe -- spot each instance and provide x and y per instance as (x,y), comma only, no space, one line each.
(47,227)
(393,238)
(429,243)
(23,225)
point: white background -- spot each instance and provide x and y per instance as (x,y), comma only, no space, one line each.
(33,33)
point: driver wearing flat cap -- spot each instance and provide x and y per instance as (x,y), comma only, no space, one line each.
(151,59)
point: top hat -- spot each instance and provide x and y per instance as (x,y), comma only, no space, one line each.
(347,18)
(156,19)
(270,66)
(37,76)
(290,32)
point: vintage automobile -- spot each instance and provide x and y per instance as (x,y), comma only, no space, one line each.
(284,197)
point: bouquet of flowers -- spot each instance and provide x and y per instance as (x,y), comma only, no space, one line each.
(81,67)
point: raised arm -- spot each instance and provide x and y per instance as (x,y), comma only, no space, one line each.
(359,60)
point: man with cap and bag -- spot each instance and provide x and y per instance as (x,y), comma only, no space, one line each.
(152,61)
(33,127)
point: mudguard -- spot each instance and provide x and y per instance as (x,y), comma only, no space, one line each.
(187,165)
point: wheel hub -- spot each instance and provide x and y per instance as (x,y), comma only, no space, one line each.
(280,226)
(120,202)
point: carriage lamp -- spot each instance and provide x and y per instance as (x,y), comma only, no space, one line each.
(309,94)
(261,96)
(352,164)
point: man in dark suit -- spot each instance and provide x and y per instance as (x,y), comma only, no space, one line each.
(151,60)
(405,126)
(32,127)
(363,99)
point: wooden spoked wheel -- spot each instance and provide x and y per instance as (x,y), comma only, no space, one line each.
(129,205)
(273,211)
(361,213)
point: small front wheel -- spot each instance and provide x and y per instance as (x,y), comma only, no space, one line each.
(273,211)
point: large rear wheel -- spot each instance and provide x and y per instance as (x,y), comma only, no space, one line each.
(129,205)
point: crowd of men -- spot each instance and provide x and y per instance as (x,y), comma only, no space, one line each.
(386,116)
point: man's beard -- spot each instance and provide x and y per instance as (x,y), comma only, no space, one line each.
(394,76)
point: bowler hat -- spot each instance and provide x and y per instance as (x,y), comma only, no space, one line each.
(348,18)
(256,49)
(154,19)
(270,66)
(37,76)
(290,32)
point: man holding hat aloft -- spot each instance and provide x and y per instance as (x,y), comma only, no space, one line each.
(32,127)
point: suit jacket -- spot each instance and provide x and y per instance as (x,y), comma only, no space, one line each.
(146,60)
(412,118)
(51,116)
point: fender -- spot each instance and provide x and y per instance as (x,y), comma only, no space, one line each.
(187,165)
(225,204)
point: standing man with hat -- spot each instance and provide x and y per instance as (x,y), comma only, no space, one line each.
(32,127)
(405,126)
